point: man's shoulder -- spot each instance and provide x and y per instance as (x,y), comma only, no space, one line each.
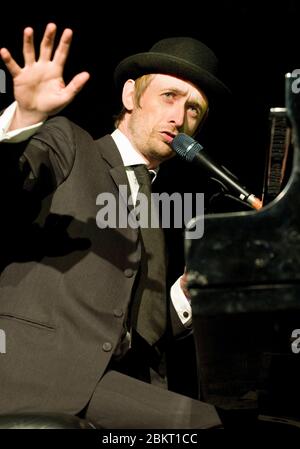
(105,140)
(61,132)
(63,125)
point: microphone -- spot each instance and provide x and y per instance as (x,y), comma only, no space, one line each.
(191,150)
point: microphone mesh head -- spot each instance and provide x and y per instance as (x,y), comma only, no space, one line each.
(185,146)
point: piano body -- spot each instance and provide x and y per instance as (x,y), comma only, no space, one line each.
(244,281)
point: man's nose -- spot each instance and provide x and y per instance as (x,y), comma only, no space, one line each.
(178,117)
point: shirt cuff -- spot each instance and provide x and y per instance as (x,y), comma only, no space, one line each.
(181,304)
(17,135)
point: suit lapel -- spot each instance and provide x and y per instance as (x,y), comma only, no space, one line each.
(110,153)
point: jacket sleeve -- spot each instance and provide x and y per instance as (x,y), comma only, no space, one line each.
(46,159)
(33,169)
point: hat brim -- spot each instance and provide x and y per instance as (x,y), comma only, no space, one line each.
(152,62)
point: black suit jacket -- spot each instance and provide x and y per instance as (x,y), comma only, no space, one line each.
(65,284)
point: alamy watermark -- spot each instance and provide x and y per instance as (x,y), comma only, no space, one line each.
(295,346)
(2,342)
(176,210)
(2,82)
(296,83)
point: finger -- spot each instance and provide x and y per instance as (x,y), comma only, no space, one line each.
(76,84)
(28,46)
(13,68)
(63,48)
(47,42)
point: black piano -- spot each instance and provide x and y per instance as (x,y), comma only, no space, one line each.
(244,280)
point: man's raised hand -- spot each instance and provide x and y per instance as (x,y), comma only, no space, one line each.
(39,87)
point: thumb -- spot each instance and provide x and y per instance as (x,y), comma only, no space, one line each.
(76,84)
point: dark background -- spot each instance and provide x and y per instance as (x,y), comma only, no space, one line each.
(256,43)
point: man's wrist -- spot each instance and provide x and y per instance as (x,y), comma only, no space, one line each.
(23,118)
(19,134)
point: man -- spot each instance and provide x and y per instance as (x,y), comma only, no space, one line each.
(73,303)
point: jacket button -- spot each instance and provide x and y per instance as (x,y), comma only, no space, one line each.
(107,346)
(118,313)
(128,272)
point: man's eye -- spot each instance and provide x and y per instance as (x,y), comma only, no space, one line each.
(195,111)
(169,94)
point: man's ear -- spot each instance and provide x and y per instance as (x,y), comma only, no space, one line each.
(128,95)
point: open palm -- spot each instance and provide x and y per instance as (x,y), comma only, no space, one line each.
(39,87)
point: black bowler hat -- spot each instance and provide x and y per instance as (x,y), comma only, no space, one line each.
(183,57)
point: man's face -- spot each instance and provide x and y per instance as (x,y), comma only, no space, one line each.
(167,107)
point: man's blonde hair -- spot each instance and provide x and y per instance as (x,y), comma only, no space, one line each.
(140,86)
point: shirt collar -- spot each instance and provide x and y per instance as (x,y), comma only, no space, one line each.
(130,156)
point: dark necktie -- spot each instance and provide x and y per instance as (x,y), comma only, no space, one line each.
(148,311)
